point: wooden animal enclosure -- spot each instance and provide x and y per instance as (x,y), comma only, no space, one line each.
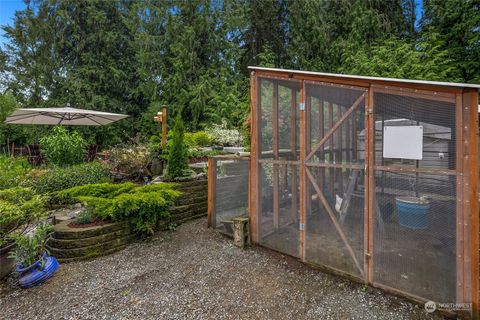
(372,178)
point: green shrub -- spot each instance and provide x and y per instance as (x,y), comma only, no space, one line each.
(62,148)
(103,190)
(131,161)
(202,139)
(13,171)
(142,206)
(178,152)
(85,217)
(58,178)
(29,249)
(19,207)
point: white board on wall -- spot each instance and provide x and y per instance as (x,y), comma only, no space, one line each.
(403,142)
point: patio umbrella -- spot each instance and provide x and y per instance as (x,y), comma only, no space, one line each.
(63,116)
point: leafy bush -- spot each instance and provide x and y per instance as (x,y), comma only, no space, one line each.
(198,139)
(131,162)
(178,152)
(102,190)
(29,249)
(142,206)
(13,171)
(85,217)
(157,151)
(223,136)
(19,207)
(63,148)
(58,178)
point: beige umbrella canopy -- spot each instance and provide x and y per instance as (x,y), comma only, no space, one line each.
(63,116)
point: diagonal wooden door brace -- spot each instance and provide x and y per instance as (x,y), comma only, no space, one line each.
(324,202)
(336,126)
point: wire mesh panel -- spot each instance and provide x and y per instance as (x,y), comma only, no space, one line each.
(278,172)
(335,177)
(231,192)
(415,210)
(279,216)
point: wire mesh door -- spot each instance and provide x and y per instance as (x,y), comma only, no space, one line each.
(334,166)
(278,169)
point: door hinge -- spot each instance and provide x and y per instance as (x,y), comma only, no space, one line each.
(301,226)
(302,106)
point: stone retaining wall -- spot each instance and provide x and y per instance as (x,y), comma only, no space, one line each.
(71,244)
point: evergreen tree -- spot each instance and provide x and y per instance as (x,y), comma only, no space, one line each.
(177,153)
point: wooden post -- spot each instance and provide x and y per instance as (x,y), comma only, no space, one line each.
(339,175)
(369,211)
(293,146)
(331,171)
(459,212)
(473,197)
(321,132)
(302,175)
(212,185)
(164,125)
(276,200)
(255,189)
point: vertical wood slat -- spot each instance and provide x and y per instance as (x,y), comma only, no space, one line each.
(467,281)
(255,190)
(459,191)
(339,174)
(369,213)
(321,133)
(293,146)
(354,138)
(348,144)
(276,214)
(331,171)
(302,174)
(473,197)
(212,186)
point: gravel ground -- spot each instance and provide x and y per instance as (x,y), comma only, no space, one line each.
(195,273)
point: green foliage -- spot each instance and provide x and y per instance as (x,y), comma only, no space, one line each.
(85,217)
(29,249)
(58,178)
(63,148)
(19,207)
(133,56)
(419,61)
(13,171)
(142,206)
(178,152)
(223,136)
(131,161)
(157,151)
(200,139)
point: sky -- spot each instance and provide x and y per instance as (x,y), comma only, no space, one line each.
(7,13)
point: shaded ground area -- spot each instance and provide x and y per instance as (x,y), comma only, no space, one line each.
(195,273)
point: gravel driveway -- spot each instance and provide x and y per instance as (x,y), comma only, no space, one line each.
(195,273)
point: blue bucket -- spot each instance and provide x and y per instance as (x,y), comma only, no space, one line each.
(412,212)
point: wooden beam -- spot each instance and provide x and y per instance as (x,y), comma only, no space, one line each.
(335,126)
(293,146)
(339,175)
(370,142)
(255,188)
(473,215)
(276,200)
(321,132)
(459,192)
(212,186)
(329,137)
(330,212)
(302,177)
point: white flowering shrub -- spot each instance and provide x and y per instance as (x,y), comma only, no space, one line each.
(223,136)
